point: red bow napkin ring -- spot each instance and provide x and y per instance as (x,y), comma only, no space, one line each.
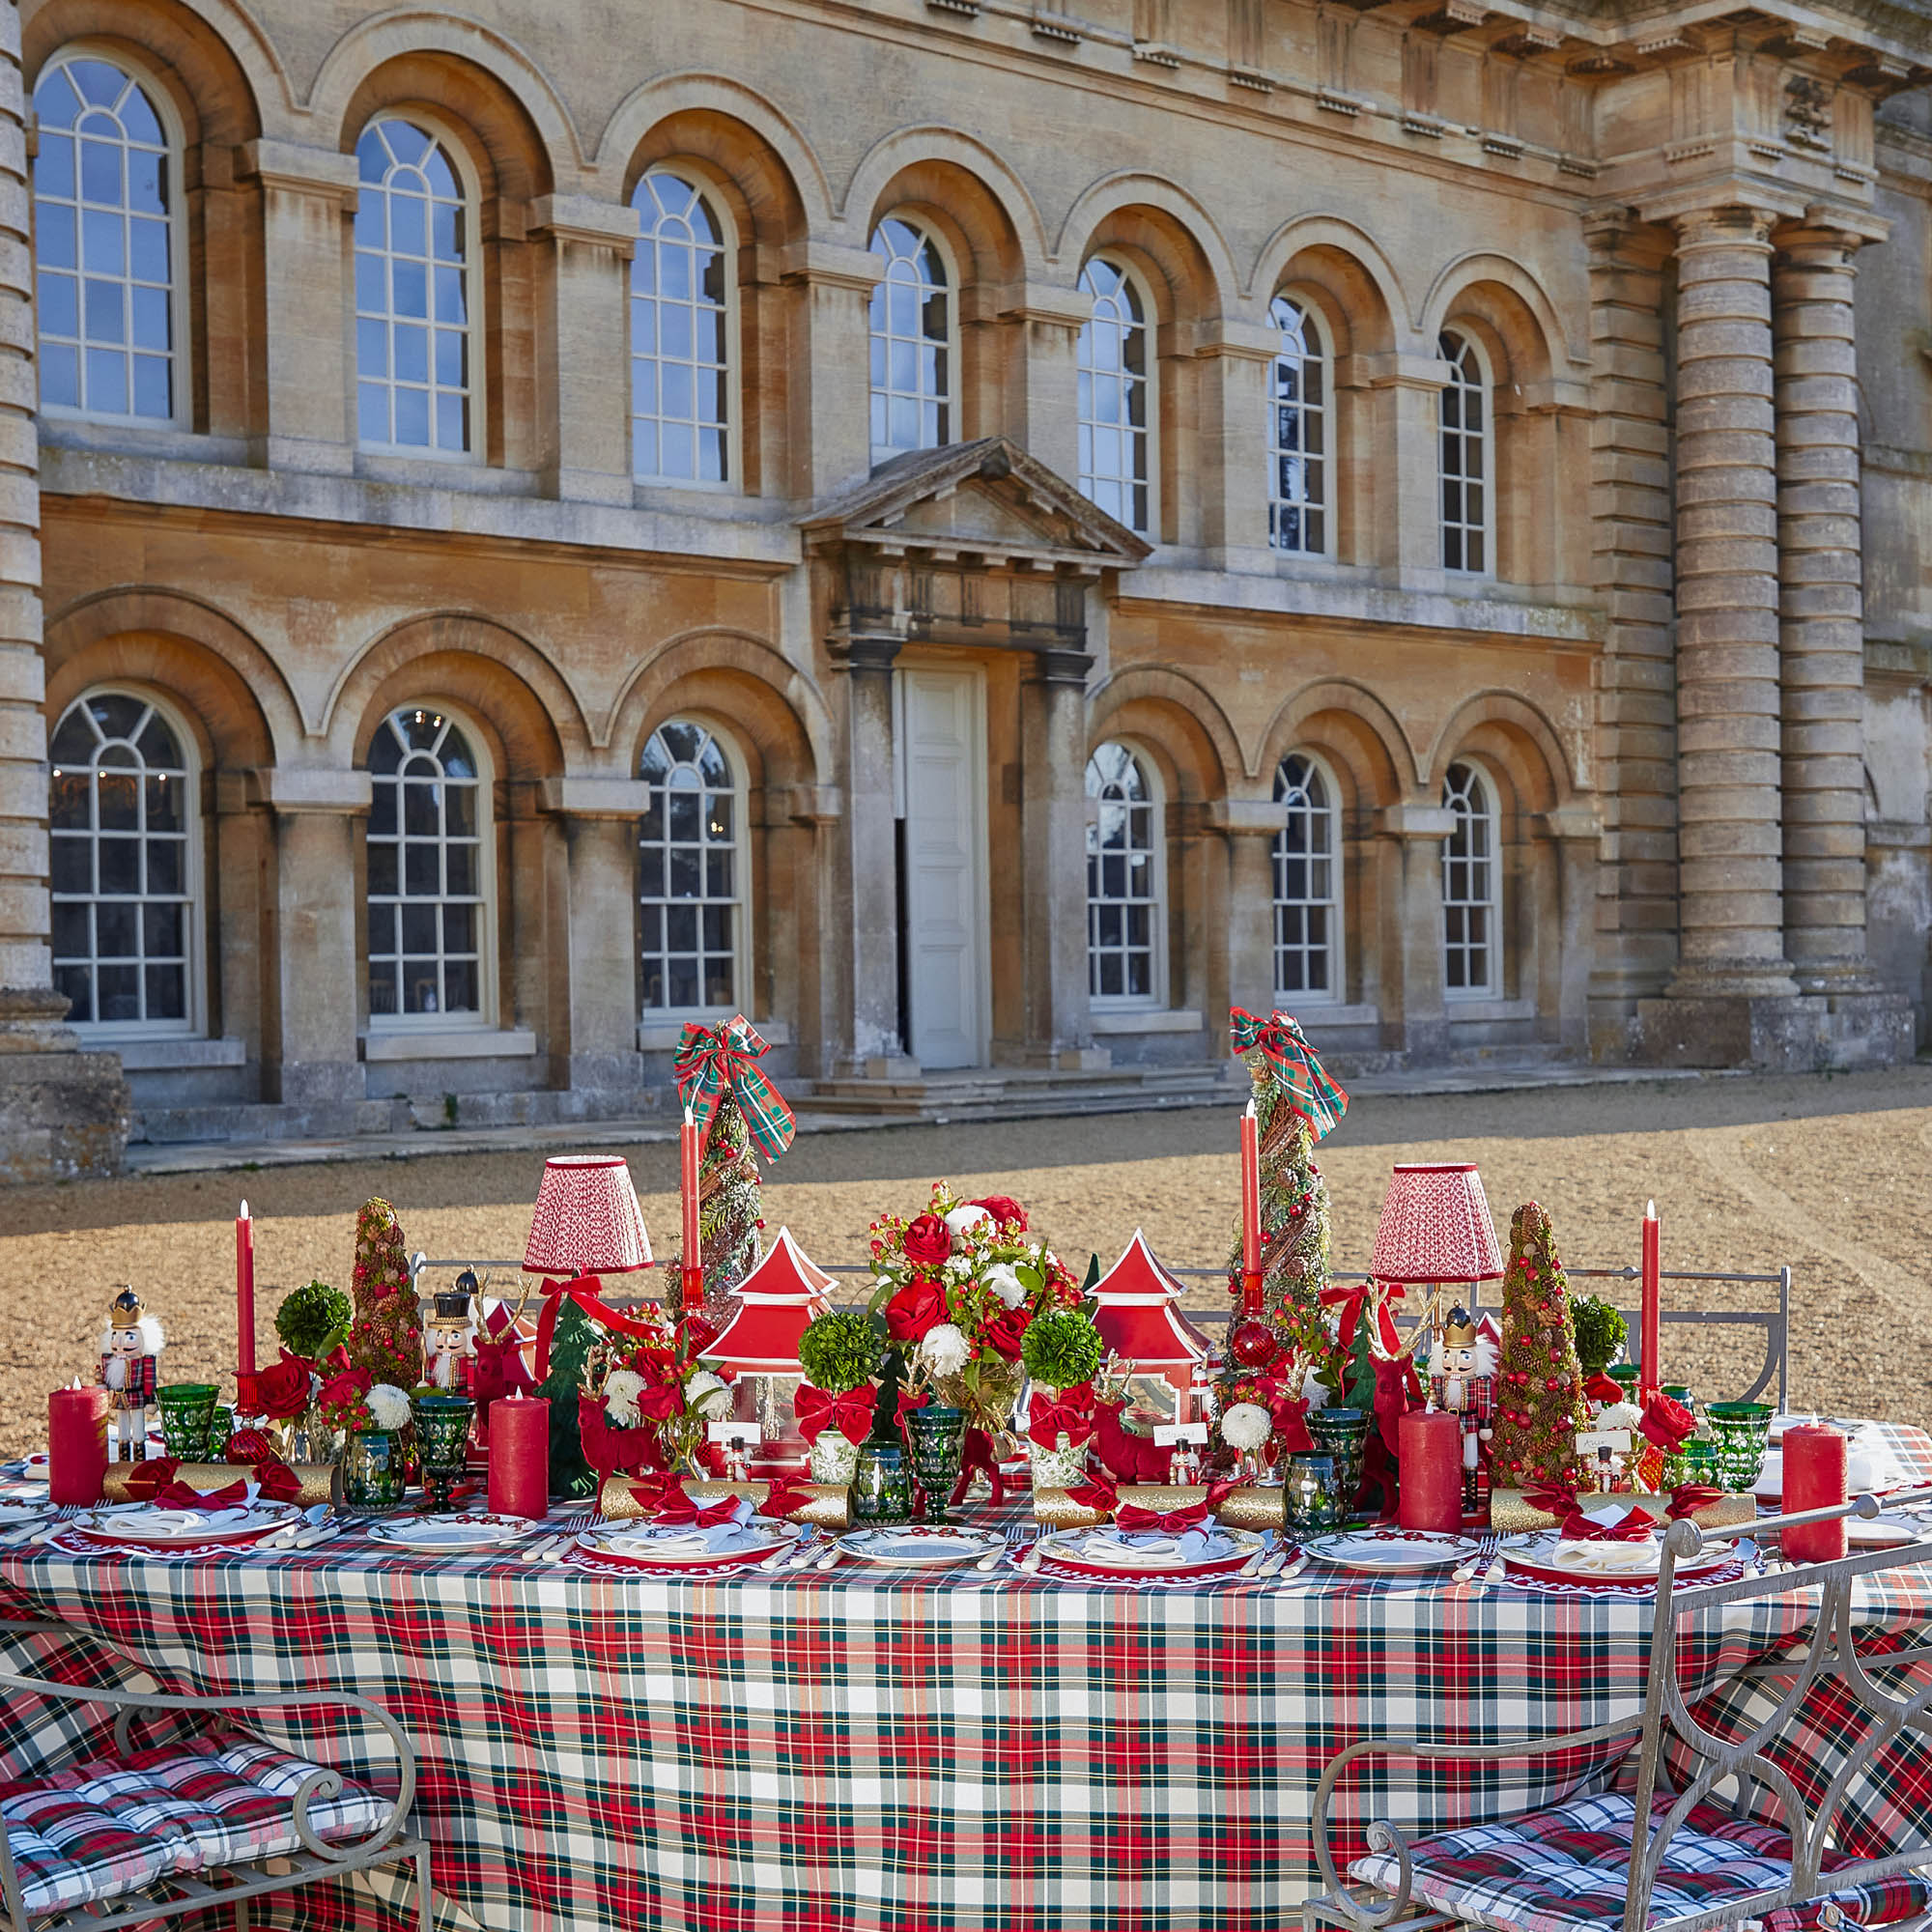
(1136,1521)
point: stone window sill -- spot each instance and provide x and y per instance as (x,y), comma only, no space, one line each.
(1455,1010)
(158,1056)
(661,1036)
(1316,1017)
(1145,1019)
(458,1044)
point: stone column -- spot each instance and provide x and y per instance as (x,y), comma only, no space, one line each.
(1399,525)
(1822,608)
(318,956)
(1251,824)
(1731,921)
(830,369)
(601,841)
(62,1111)
(1044,393)
(1235,368)
(1415,1017)
(1053,862)
(584,450)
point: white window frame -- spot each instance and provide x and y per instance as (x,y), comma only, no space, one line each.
(1155,998)
(194,1025)
(1335,993)
(1468,350)
(702,183)
(445,136)
(741,865)
(1314,333)
(1482,787)
(484,1018)
(1150,382)
(180,309)
(930,234)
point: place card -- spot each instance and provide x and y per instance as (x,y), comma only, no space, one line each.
(1167,1435)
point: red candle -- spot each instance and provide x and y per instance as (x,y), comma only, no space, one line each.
(1816,1464)
(1650,1367)
(519,1456)
(244,1292)
(1251,1193)
(76,1444)
(689,1144)
(1430,1494)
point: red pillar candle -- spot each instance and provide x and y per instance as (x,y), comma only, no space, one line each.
(1816,1466)
(244,1292)
(1650,1366)
(76,1444)
(1430,1489)
(519,1456)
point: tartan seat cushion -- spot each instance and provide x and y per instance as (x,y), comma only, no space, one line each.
(98,1830)
(1565,1871)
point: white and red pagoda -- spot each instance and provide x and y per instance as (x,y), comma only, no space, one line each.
(758,1349)
(1137,1310)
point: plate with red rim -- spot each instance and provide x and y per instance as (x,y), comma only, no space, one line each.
(144,1525)
(1624,1566)
(1384,1551)
(667,1546)
(1089,1552)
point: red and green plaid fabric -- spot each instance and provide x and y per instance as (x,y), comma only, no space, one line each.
(855,1750)
(712,1061)
(1298,1072)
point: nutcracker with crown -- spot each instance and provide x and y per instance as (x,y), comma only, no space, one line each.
(1463,1379)
(130,1353)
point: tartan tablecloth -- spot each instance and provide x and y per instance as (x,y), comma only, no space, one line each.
(881,1752)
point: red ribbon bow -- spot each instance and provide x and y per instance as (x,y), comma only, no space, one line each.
(1636,1527)
(1136,1521)
(150,1477)
(1073,1415)
(180,1496)
(1099,1492)
(786,1497)
(850,1414)
(1352,1300)
(677,1510)
(587,1292)
(276,1481)
(1555,1499)
(1688,1498)
(1290,1424)
(1666,1424)
(1601,1388)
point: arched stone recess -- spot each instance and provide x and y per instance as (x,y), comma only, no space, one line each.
(1177,719)
(1527,327)
(1360,292)
(771,709)
(1167,226)
(1353,729)
(434,45)
(220,676)
(1514,739)
(961,185)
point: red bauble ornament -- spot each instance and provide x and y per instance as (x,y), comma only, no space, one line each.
(1253,1344)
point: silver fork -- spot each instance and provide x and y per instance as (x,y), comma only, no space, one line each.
(1017,1535)
(1488,1549)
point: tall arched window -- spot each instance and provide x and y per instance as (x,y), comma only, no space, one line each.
(1472,942)
(417,353)
(1115,403)
(1297,433)
(680,346)
(690,873)
(1464,455)
(911,343)
(429,871)
(105,248)
(1124,923)
(121,808)
(1307,881)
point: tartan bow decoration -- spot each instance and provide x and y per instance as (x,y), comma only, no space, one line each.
(1072,1414)
(850,1413)
(714,1060)
(1299,1075)
(1137,1522)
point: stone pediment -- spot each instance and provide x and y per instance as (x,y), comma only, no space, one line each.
(987,498)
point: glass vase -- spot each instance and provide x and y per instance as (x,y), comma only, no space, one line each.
(1059,1468)
(881,1485)
(372,1472)
(1344,1435)
(937,1438)
(442,1435)
(1314,1500)
(1741,1432)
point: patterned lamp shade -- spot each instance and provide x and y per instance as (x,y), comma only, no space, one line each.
(1435,1227)
(776,1303)
(586,1220)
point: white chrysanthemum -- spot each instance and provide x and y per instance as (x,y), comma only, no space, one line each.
(1246,1426)
(1619,1415)
(944,1350)
(708,1396)
(958,1267)
(388,1406)
(1006,1284)
(1314,1390)
(963,1218)
(621,1389)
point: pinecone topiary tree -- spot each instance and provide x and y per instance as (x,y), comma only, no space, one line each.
(385,1333)
(728,1214)
(1540,1404)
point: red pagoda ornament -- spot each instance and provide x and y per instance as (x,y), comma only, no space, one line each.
(757,1350)
(1137,1310)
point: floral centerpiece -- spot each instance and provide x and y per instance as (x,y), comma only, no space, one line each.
(841,1354)
(645,1403)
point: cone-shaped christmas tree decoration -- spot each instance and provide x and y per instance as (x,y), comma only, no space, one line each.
(1540,1404)
(570,1347)
(384,1331)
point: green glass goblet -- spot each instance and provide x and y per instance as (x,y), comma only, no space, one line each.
(1742,1434)
(443,1435)
(372,1470)
(936,1438)
(1313,1500)
(881,1485)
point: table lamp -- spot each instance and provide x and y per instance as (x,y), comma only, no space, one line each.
(1435,1227)
(586,1224)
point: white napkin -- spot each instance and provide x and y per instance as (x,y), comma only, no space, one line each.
(1608,1560)
(693,1542)
(1111,1547)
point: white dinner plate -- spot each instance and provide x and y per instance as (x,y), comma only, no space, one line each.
(921,1547)
(450,1535)
(1545,1550)
(1110,1551)
(174,1528)
(26,1469)
(1391,1552)
(686,1547)
(12,1514)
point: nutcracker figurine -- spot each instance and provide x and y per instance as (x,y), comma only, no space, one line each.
(131,1349)
(449,1336)
(1463,1379)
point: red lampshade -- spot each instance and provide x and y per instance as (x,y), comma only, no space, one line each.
(1435,1227)
(1135,1309)
(586,1220)
(776,1303)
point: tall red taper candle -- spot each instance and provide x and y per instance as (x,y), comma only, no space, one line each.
(1251,1193)
(689,1145)
(1429,1496)
(76,1444)
(1817,1468)
(519,1456)
(1650,1366)
(244,1292)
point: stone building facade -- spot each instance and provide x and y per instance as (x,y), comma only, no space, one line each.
(979,534)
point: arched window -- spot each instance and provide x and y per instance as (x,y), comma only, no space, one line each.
(429,871)
(1116,404)
(690,873)
(1307,882)
(1297,433)
(1124,834)
(1464,455)
(416,338)
(121,808)
(911,343)
(680,344)
(105,248)
(1471,943)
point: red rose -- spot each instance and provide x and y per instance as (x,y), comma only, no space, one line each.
(282,1390)
(1005,1210)
(346,1389)
(1003,1336)
(917,1306)
(928,1241)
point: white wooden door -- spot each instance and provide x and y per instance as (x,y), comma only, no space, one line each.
(944,767)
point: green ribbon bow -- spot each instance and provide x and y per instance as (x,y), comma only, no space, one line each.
(1297,1071)
(712,1061)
